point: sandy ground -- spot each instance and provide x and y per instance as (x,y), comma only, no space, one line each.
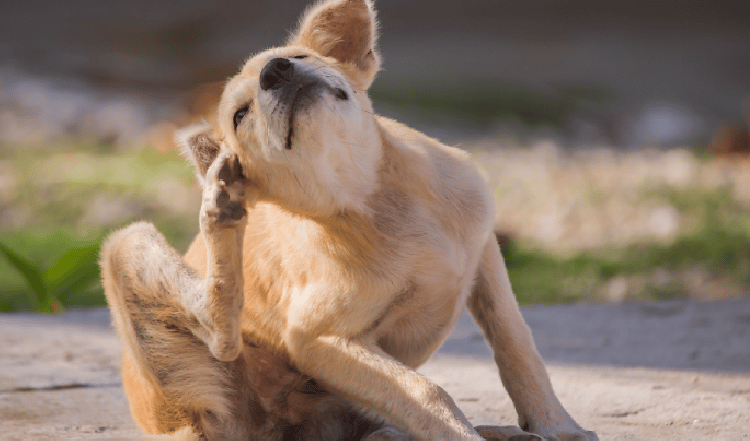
(629,371)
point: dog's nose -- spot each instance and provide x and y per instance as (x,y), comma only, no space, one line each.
(277,72)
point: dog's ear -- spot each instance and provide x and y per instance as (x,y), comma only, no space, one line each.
(198,143)
(345,30)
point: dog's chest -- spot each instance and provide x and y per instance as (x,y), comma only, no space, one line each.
(403,290)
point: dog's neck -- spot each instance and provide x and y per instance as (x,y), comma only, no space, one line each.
(341,180)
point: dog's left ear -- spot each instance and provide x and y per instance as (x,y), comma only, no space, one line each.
(198,143)
(345,30)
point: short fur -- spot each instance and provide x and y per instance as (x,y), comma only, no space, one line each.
(337,250)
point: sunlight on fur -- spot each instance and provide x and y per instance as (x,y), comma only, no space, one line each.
(337,250)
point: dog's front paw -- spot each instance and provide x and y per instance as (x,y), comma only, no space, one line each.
(388,434)
(223,193)
(573,435)
(506,433)
(569,432)
(515,433)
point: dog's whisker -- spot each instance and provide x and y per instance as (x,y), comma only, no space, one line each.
(300,185)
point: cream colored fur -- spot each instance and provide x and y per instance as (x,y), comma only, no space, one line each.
(336,245)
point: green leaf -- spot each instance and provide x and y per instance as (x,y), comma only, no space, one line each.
(7,304)
(43,300)
(50,306)
(75,270)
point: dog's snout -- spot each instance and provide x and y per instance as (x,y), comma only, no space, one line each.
(276,73)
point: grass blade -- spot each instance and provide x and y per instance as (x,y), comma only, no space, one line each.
(43,300)
(76,270)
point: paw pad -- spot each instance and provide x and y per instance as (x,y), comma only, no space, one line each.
(224,191)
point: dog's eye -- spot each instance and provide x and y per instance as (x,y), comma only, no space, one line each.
(340,94)
(239,115)
(300,57)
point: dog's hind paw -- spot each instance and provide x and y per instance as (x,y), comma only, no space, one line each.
(223,194)
(225,347)
(388,434)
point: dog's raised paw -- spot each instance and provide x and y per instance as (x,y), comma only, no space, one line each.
(223,191)
(230,169)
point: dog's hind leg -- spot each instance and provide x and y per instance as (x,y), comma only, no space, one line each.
(388,433)
(176,326)
(170,376)
(522,370)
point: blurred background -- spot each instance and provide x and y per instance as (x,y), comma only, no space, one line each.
(614,134)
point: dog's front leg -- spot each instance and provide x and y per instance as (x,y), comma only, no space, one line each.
(222,221)
(370,378)
(522,370)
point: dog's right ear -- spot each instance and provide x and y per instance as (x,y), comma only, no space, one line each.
(198,143)
(345,30)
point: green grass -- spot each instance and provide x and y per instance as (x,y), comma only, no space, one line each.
(656,271)
(57,268)
(50,261)
(537,276)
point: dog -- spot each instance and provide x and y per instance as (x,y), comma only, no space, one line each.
(337,250)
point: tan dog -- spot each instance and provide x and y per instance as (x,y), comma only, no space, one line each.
(337,246)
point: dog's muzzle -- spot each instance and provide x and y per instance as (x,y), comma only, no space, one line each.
(276,74)
(295,90)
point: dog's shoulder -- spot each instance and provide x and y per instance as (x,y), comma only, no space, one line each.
(444,179)
(411,153)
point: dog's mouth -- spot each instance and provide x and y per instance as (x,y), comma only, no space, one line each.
(303,97)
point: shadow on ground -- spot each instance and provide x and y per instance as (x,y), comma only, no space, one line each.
(702,336)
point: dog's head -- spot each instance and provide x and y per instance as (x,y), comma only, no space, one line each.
(298,116)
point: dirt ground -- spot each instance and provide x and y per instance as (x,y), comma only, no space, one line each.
(666,371)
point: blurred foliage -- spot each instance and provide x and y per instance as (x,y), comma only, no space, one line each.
(73,274)
(719,250)
(46,270)
(49,261)
(489,101)
(68,199)
(59,269)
